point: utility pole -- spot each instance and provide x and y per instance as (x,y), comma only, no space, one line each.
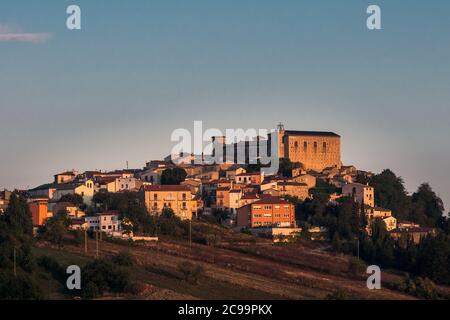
(15,266)
(85,241)
(96,244)
(190,233)
(358,248)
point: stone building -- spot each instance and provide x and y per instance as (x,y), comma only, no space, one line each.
(315,150)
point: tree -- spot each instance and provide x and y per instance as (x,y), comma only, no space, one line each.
(433,259)
(56,228)
(102,276)
(220,215)
(18,215)
(173,176)
(427,207)
(382,245)
(390,193)
(75,199)
(336,242)
(191,272)
(21,287)
(167,213)
(286,167)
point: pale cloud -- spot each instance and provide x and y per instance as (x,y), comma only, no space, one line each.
(7,34)
(25,37)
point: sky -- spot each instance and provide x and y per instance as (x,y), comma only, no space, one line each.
(137,70)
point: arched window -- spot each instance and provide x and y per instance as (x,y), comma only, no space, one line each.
(305,146)
(324,147)
(315,146)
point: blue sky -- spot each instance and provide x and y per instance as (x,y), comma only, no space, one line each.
(114,91)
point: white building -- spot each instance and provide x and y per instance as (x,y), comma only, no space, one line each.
(106,222)
(361,193)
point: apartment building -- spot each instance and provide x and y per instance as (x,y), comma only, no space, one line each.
(176,197)
(267,212)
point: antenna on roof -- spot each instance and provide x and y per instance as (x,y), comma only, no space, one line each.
(127,164)
(280,127)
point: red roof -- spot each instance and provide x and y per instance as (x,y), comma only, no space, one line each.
(250,196)
(272,200)
(285,183)
(249,174)
(109,213)
(155,188)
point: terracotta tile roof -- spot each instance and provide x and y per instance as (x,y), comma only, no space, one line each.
(109,213)
(174,188)
(68,186)
(67,173)
(272,200)
(107,179)
(250,196)
(311,133)
(414,229)
(287,183)
(249,174)
(77,221)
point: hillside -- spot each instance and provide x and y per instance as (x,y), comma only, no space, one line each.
(239,267)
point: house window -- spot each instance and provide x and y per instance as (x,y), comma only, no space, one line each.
(305,146)
(315,146)
(324,147)
(155,197)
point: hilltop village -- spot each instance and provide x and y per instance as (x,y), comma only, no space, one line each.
(180,229)
(242,196)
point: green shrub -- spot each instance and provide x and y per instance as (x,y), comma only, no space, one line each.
(124,258)
(101,276)
(356,267)
(422,288)
(21,287)
(339,294)
(191,272)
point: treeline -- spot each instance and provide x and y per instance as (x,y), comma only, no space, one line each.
(423,206)
(345,222)
(17,263)
(20,269)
